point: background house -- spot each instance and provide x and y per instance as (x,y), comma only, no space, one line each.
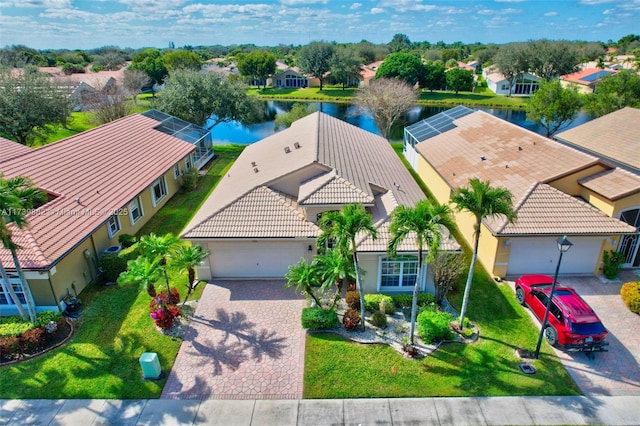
(524,84)
(585,80)
(263,215)
(557,191)
(100,184)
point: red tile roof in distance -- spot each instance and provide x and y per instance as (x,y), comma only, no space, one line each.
(90,175)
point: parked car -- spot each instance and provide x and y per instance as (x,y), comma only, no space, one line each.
(571,323)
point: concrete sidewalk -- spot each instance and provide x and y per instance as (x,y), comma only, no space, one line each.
(544,410)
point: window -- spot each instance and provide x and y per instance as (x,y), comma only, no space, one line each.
(188,162)
(176,171)
(158,190)
(398,272)
(5,298)
(113,226)
(135,210)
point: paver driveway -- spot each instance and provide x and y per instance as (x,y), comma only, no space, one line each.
(245,341)
(616,372)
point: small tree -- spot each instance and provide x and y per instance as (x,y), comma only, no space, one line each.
(459,80)
(143,273)
(258,65)
(133,81)
(553,106)
(186,258)
(109,107)
(447,269)
(388,100)
(158,248)
(305,278)
(401,66)
(297,111)
(182,60)
(345,65)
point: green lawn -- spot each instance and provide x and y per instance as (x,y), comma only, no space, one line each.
(101,359)
(335,368)
(481,97)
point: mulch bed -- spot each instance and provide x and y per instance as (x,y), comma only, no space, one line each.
(52,341)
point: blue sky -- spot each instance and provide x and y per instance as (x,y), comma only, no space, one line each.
(86,24)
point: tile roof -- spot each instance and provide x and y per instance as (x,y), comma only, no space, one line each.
(327,160)
(89,175)
(334,190)
(615,136)
(612,184)
(587,76)
(10,149)
(261,213)
(514,157)
(549,211)
(509,156)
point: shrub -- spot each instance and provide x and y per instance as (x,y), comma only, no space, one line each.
(353,300)
(45,317)
(14,328)
(163,309)
(9,345)
(317,318)
(630,293)
(379,319)
(351,319)
(113,264)
(433,326)
(190,180)
(127,240)
(612,263)
(32,340)
(403,301)
(372,302)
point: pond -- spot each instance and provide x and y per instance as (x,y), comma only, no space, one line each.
(239,133)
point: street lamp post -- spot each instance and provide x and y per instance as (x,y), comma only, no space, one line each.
(563,246)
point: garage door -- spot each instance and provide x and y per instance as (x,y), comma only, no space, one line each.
(540,255)
(254,260)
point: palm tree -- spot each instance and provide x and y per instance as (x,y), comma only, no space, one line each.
(186,257)
(342,227)
(304,277)
(424,222)
(335,269)
(142,272)
(156,247)
(17,196)
(482,201)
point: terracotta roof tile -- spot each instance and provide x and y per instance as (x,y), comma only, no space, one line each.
(91,175)
(335,190)
(549,211)
(587,76)
(10,149)
(615,136)
(612,184)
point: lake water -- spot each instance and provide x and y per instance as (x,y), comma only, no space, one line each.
(246,134)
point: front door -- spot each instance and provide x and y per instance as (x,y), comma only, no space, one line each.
(629,245)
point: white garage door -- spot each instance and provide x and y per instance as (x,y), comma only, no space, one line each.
(254,260)
(540,255)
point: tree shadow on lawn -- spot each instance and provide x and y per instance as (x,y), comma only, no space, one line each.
(249,343)
(485,369)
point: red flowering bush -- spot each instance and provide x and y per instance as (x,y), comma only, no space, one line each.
(351,319)
(163,309)
(33,339)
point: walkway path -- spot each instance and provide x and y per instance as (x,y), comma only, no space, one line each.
(576,410)
(245,341)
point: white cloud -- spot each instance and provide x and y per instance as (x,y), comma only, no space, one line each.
(157,7)
(549,14)
(595,2)
(355,6)
(45,4)
(302,2)
(377,11)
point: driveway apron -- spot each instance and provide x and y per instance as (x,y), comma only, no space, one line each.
(245,341)
(616,372)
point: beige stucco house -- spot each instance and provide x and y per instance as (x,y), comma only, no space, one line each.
(557,190)
(100,184)
(263,215)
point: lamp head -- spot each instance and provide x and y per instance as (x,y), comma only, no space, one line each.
(564,244)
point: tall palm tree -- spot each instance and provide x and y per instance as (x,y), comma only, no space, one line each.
(335,269)
(142,272)
(483,201)
(159,247)
(186,257)
(424,222)
(342,227)
(17,196)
